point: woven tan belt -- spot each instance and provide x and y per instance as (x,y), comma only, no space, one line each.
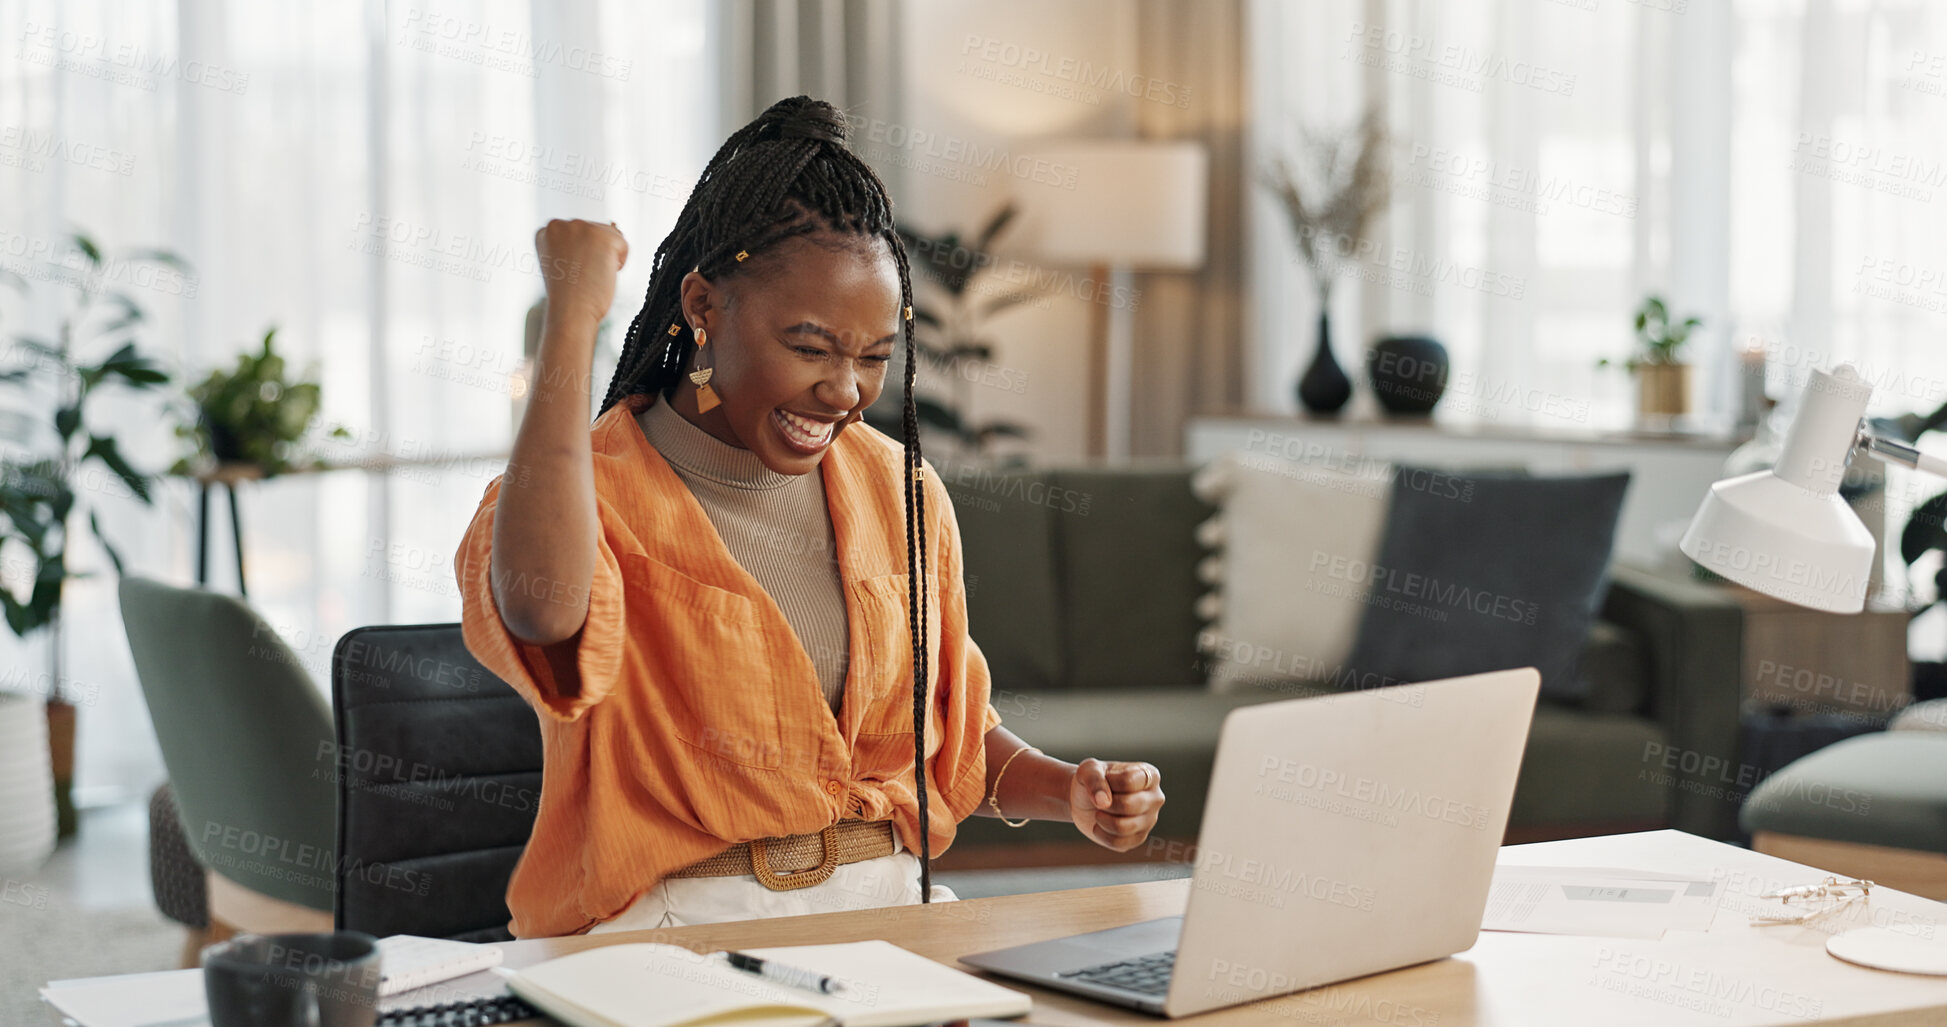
(806,859)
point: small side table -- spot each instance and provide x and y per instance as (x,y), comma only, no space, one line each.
(1813,662)
(1814,679)
(227,475)
(230,475)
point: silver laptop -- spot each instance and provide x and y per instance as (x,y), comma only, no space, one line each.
(1343,835)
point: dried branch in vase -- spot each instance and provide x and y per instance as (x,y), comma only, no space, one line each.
(1338,191)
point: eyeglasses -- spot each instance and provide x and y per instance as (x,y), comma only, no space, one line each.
(1814,900)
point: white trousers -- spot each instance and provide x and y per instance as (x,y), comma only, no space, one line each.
(868,884)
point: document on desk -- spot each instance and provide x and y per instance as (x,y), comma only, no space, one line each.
(165,998)
(1605,901)
(175,998)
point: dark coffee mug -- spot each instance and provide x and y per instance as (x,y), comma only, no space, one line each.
(293,980)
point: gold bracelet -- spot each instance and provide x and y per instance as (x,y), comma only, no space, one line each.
(994,797)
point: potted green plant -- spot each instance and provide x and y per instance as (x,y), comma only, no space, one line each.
(252,417)
(54,473)
(950,338)
(1662,378)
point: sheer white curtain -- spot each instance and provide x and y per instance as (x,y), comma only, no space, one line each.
(1778,167)
(1516,232)
(368,178)
(1775,166)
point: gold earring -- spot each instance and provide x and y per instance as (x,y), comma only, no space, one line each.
(706,397)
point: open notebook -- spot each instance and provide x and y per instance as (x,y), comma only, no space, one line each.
(649,985)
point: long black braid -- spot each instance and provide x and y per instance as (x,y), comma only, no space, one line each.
(786,174)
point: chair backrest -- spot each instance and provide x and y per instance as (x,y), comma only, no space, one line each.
(242,728)
(438,770)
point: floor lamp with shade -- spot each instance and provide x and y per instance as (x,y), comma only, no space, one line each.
(1136,205)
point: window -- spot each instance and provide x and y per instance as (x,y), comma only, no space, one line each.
(368,179)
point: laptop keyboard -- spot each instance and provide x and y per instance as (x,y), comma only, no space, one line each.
(1146,975)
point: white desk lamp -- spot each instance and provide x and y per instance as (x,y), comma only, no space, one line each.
(1785,532)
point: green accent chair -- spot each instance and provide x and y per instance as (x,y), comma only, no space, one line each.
(247,739)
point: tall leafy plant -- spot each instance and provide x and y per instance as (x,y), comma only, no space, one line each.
(1925,532)
(42,484)
(950,336)
(1926,529)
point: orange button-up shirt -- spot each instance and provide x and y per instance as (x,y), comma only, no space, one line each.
(698,721)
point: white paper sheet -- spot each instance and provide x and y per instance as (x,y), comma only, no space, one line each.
(169,997)
(175,998)
(1604,901)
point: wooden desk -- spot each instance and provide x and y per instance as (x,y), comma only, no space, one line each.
(1732,974)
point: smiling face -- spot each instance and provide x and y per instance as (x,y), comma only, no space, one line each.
(800,346)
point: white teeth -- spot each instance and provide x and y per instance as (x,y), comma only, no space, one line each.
(804,431)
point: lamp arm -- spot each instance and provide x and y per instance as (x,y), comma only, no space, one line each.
(1903,453)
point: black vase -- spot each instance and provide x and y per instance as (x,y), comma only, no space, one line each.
(1408,373)
(1324,388)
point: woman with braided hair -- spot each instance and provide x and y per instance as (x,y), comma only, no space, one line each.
(738,609)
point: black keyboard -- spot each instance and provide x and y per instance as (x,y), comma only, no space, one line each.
(499,1009)
(1146,975)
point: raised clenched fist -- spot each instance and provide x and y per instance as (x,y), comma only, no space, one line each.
(579,260)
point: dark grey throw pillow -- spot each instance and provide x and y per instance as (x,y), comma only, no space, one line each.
(1485,572)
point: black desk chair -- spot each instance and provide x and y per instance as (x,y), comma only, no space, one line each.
(438,769)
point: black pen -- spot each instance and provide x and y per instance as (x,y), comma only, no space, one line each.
(790,976)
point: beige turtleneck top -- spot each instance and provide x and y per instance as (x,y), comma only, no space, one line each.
(776,525)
